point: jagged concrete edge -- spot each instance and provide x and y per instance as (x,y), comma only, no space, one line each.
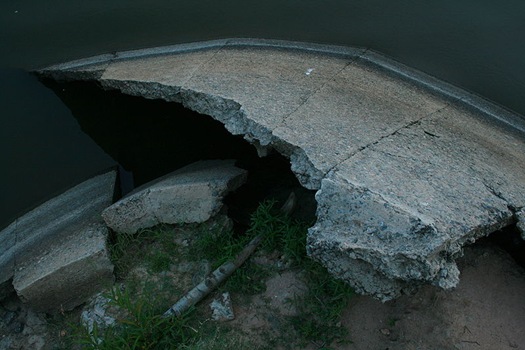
(499,114)
(235,111)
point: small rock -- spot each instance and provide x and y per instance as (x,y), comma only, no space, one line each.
(36,342)
(95,314)
(222,308)
(385,331)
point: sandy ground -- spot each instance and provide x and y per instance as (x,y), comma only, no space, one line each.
(485,312)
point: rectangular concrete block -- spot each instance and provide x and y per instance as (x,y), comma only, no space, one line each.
(54,220)
(67,273)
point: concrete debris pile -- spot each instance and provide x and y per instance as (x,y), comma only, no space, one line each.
(408,169)
(56,256)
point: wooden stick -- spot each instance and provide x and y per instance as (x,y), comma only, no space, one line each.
(212,280)
(224,271)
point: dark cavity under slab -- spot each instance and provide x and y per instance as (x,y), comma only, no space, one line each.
(150,138)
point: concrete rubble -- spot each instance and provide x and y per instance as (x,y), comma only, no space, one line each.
(408,169)
(68,274)
(57,264)
(221,308)
(191,194)
(55,256)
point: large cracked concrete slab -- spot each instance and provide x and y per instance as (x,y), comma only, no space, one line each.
(408,169)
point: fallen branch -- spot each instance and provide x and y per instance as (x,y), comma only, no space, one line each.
(224,271)
(212,281)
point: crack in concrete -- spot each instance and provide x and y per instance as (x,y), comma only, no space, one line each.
(321,86)
(203,64)
(498,194)
(380,139)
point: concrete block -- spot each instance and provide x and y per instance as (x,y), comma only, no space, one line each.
(191,194)
(53,221)
(67,273)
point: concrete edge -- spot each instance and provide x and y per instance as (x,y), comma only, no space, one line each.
(468,99)
(505,117)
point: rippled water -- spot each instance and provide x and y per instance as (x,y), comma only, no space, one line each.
(477,45)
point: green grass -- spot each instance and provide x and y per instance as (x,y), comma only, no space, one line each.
(159,261)
(141,326)
(142,301)
(320,309)
(126,250)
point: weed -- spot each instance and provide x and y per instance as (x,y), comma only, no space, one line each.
(247,280)
(140,324)
(392,321)
(143,301)
(280,232)
(159,261)
(219,337)
(127,249)
(217,246)
(322,305)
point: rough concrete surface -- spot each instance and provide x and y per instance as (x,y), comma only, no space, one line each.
(67,274)
(521,222)
(54,221)
(409,169)
(191,194)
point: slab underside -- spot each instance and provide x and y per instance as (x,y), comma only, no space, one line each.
(408,169)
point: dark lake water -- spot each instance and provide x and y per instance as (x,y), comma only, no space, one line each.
(477,45)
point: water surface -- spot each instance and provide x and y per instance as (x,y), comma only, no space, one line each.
(477,45)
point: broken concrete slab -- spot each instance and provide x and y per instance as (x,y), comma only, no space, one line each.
(188,195)
(54,221)
(408,168)
(373,106)
(299,75)
(405,206)
(67,273)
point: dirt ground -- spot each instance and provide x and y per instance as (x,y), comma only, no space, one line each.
(485,312)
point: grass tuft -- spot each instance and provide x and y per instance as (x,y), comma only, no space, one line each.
(146,297)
